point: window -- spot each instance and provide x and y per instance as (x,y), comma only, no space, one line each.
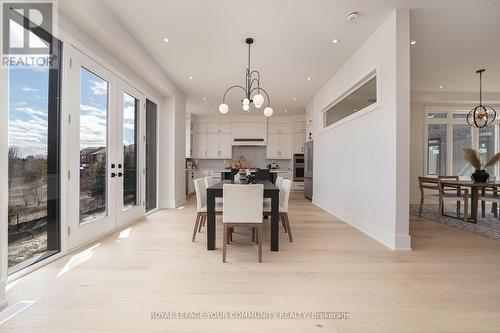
(362,97)
(436,152)
(93,145)
(34,161)
(130,156)
(447,134)
(462,138)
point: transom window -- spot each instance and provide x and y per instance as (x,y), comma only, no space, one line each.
(447,133)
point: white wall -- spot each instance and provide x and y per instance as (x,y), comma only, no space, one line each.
(172,153)
(361,167)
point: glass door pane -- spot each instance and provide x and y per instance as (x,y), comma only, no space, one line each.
(93,145)
(150,155)
(462,138)
(130,151)
(34,160)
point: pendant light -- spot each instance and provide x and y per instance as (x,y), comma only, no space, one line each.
(482,115)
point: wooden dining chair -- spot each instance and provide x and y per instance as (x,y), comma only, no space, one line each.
(242,206)
(284,198)
(452,193)
(490,194)
(429,189)
(201,206)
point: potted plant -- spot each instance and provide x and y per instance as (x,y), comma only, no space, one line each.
(480,175)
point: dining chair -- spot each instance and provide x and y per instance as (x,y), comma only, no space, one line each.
(490,194)
(242,206)
(201,206)
(429,189)
(209,181)
(484,192)
(452,193)
(277,183)
(284,197)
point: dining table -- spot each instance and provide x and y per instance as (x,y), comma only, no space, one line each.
(216,191)
(475,187)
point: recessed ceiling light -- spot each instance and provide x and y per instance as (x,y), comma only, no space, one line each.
(166,40)
(190,77)
(308,78)
(413,42)
(295,98)
(441,87)
(286,111)
(204,98)
(335,41)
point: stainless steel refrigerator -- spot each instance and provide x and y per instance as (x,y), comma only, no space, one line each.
(308,169)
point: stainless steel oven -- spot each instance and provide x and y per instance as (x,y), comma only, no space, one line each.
(298,167)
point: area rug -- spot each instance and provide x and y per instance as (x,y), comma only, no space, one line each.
(488,226)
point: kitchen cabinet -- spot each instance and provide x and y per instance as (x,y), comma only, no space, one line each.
(298,140)
(212,145)
(277,128)
(279,146)
(299,126)
(200,127)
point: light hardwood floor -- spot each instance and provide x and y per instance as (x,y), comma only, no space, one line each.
(450,282)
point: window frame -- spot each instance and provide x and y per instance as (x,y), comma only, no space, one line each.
(358,83)
(449,121)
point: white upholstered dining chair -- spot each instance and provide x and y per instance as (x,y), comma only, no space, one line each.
(242,206)
(201,206)
(285,189)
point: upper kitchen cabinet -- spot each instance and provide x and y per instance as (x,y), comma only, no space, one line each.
(299,133)
(279,138)
(211,138)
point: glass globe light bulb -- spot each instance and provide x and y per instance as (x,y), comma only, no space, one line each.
(246,101)
(246,107)
(268,112)
(258,100)
(223,108)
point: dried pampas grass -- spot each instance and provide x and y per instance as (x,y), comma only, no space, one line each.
(472,157)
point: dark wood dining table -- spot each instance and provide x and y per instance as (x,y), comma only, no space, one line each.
(474,191)
(270,191)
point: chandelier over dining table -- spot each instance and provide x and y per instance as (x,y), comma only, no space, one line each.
(252,90)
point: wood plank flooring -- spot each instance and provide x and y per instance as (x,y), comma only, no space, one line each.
(450,282)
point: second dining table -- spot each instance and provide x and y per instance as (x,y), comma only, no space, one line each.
(270,191)
(475,187)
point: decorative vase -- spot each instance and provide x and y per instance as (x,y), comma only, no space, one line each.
(251,179)
(480,176)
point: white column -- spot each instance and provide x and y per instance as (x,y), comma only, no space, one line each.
(402,238)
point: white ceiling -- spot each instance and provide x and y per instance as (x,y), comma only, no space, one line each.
(293,40)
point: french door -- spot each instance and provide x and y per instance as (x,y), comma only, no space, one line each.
(105,152)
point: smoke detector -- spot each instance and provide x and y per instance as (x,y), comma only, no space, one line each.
(353,16)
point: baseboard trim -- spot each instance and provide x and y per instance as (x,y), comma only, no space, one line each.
(393,242)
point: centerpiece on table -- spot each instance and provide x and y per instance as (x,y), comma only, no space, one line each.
(480,175)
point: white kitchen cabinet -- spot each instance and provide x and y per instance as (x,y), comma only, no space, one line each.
(299,127)
(279,146)
(212,146)
(277,128)
(199,127)
(212,127)
(224,128)
(199,145)
(225,147)
(298,140)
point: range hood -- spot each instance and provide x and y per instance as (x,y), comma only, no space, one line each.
(249,134)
